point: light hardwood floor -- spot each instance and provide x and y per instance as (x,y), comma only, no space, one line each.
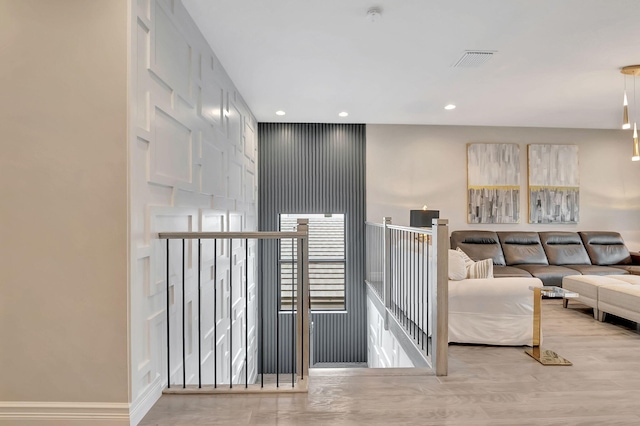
(485,386)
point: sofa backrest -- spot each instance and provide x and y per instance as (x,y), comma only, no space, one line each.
(564,248)
(605,248)
(522,248)
(479,245)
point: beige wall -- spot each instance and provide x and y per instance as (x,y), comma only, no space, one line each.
(408,166)
(63,201)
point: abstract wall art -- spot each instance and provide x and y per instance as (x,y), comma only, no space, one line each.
(493,183)
(554,184)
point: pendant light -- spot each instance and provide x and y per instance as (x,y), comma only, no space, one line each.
(633,70)
(636,154)
(636,149)
(625,108)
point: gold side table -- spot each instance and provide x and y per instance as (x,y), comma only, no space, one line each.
(545,356)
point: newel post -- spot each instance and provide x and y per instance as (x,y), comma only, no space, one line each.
(303,305)
(440,311)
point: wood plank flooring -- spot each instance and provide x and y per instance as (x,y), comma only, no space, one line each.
(486,385)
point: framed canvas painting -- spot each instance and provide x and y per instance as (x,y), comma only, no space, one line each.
(493,183)
(554,184)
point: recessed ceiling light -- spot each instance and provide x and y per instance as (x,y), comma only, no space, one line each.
(280,112)
(450,106)
(343,114)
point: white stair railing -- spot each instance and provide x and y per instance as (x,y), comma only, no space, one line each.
(407,270)
(237,369)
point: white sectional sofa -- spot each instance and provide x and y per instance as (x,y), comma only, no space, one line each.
(492,311)
(488,310)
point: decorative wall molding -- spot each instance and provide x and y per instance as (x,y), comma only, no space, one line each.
(384,348)
(193,165)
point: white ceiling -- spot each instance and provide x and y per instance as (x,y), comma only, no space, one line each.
(557,62)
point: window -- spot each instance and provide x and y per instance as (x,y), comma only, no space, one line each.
(326,261)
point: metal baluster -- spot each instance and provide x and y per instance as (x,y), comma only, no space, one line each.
(416,322)
(420,307)
(407,250)
(408,299)
(278,306)
(261,289)
(246,313)
(409,278)
(405,300)
(396,280)
(184,340)
(399,282)
(416,284)
(199,320)
(423,281)
(400,275)
(168,319)
(403,278)
(428,320)
(411,283)
(230,315)
(215,313)
(418,304)
(293,330)
(392,288)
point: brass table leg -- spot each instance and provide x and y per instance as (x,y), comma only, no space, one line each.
(543,356)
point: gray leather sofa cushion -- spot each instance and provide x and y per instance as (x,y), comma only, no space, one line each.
(549,274)
(509,271)
(522,248)
(605,248)
(478,245)
(564,248)
(631,269)
(597,269)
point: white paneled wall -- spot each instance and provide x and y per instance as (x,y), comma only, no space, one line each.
(384,350)
(193,168)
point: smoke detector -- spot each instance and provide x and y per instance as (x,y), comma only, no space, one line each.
(374,14)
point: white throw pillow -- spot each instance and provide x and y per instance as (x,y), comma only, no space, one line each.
(481,269)
(457,268)
(467,260)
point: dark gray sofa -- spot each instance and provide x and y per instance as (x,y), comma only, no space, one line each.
(549,255)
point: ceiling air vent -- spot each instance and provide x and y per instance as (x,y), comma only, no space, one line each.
(474,58)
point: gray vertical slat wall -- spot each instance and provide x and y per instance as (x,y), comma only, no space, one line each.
(314,168)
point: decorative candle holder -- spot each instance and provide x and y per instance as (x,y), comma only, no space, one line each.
(423,218)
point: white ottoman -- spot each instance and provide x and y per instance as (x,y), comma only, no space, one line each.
(631,279)
(623,301)
(587,287)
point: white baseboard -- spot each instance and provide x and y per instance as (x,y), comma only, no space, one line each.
(105,412)
(82,413)
(141,406)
